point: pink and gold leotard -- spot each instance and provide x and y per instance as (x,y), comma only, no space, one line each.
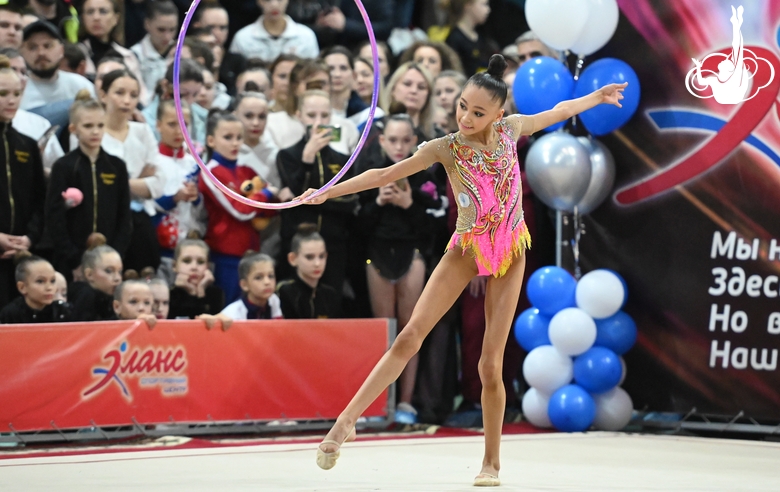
(489,195)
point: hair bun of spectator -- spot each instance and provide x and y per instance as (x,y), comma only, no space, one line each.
(250,252)
(96,239)
(148,273)
(306,229)
(5,62)
(22,254)
(130,274)
(496,67)
(83,95)
(396,108)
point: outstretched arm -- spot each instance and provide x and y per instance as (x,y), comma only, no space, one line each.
(433,151)
(609,94)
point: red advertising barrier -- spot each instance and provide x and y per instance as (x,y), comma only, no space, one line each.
(107,374)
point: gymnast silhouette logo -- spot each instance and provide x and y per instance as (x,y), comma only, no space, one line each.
(736,70)
(153,366)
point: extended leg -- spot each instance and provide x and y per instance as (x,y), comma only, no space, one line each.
(445,285)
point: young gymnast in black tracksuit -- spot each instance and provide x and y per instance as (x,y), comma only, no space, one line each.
(310,164)
(103,181)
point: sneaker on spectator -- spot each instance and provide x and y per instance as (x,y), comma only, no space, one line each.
(405,414)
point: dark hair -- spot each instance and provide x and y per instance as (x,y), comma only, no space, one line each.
(114,75)
(401,118)
(284,57)
(338,50)
(391,59)
(255,63)
(492,80)
(161,7)
(23,260)
(250,259)
(111,56)
(306,232)
(73,56)
(206,5)
(189,71)
(217,116)
(199,49)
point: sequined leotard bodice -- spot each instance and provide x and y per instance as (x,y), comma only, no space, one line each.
(489,196)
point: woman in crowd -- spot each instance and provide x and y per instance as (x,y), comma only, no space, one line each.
(101,31)
(280,80)
(434,56)
(411,86)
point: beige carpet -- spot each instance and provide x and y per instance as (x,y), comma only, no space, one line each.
(549,462)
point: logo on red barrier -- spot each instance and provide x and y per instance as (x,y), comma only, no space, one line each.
(153,366)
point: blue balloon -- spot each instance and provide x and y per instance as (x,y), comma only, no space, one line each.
(571,409)
(540,84)
(551,289)
(531,329)
(606,118)
(597,370)
(617,333)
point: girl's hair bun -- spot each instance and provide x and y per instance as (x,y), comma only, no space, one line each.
(496,66)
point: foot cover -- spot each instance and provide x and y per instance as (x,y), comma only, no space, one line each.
(486,480)
(326,461)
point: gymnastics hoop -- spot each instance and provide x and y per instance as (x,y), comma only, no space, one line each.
(205,170)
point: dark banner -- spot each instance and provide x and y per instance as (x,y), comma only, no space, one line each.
(694,222)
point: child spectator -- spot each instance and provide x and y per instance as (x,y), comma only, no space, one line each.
(303,296)
(162,298)
(274,33)
(258,282)
(161,25)
(133,300)
(230,231)
(93,299)
(190,84)
(474,50)
(102,181)
(132,142)
(259,150)
(311,163)
(61,288)
(446,91)
(180,211)
(193,292)
(386,59)
(37,282)
(22,184)
(74,60)
(213,17)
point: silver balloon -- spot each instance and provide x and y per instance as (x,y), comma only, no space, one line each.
(602,175)
(558,170)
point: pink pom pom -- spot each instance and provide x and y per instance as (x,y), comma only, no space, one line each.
(72,197)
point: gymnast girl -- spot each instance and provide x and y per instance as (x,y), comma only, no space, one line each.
(490,239)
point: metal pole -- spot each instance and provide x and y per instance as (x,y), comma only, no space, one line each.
(558,238)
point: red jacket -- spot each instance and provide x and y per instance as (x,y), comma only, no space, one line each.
(229,229)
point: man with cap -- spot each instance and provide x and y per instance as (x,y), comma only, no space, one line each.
(48,86)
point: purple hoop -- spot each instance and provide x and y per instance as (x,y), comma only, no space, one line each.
(204,169)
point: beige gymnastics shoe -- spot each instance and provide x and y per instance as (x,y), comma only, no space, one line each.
(486,480)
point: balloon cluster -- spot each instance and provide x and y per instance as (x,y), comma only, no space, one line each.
(575,334)
(567,172)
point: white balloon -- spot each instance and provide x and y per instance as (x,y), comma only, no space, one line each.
(558,23)
(546,369)
(613,409)
(572,331)
(600,293)
(624,371)
(535,404)
(599,28)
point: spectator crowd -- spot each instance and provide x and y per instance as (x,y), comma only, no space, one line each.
(105,214)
